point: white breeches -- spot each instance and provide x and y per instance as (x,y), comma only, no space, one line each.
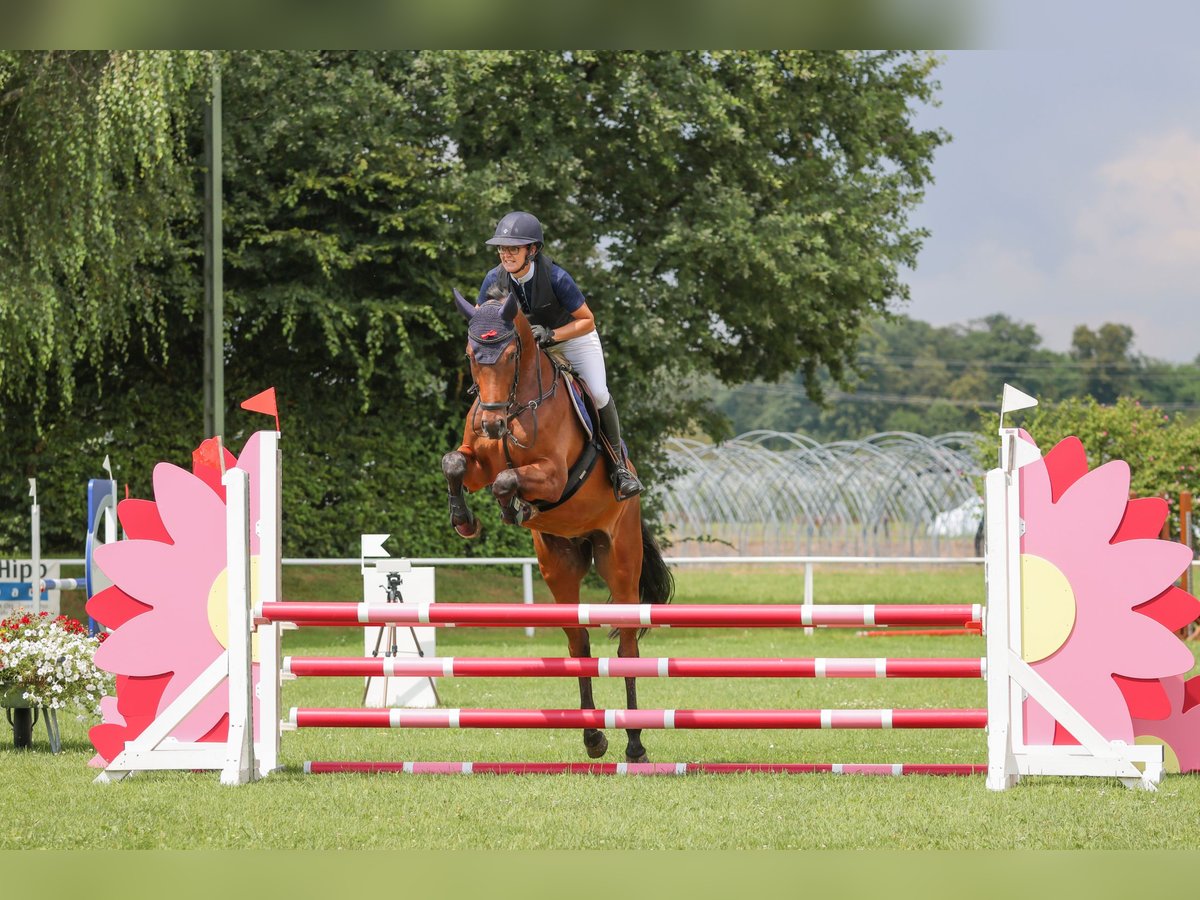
(586,356)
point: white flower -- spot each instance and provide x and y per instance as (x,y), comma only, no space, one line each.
(52,661)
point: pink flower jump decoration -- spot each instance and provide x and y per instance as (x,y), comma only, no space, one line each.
(1099,607)
(167,605)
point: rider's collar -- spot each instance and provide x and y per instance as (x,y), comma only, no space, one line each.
(528,274)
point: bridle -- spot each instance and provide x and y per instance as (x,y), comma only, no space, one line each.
(511,408)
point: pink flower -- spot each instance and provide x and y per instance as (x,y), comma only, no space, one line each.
(1177,727)
(167,603)
(1098,588)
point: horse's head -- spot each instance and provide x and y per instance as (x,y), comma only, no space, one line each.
(496,332)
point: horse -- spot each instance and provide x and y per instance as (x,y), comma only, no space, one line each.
(522,438)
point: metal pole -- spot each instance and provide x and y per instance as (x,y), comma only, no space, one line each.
(527,585)
(214,299)
(35,527)
(808,592)
(1185,534)
(110,514)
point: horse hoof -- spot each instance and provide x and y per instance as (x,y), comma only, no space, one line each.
(469,531)
(598,747)
(637,759)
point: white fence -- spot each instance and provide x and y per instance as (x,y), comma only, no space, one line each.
(528,562)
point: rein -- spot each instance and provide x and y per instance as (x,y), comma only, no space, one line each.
(513,409)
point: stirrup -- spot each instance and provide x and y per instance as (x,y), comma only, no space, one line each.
(625,484)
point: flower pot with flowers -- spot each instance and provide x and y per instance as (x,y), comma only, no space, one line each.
(46,664)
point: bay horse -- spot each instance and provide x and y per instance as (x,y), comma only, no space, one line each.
(522,438)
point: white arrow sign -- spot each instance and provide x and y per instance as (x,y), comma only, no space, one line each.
(372,545)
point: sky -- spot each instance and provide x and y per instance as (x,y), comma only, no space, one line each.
(1070,193)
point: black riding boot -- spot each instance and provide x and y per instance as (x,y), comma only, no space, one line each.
(625,483)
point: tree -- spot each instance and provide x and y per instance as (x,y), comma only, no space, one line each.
(1159,448)
(95,179)
(726,214)
(738,214)
(910,375)
(1111,364)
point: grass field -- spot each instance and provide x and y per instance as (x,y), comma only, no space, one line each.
(50,802)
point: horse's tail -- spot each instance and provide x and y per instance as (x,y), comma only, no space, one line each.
(655,584)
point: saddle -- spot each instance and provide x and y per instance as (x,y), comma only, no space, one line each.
(584,405)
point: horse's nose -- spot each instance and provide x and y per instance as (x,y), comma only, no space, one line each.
(493,427)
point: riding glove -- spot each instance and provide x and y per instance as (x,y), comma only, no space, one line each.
(543,335)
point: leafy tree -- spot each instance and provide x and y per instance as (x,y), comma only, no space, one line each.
(727,215)
(1160,448)
(95,179)
(910,375)
(1109,358)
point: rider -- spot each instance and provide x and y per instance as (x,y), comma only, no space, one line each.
(560,316)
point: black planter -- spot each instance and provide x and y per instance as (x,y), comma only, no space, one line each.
(23,715)
(21,719)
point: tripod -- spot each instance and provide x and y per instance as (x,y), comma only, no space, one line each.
(387,637)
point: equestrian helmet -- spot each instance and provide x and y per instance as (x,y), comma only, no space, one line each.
(517,229)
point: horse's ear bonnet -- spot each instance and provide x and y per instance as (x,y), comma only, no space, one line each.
(491,329)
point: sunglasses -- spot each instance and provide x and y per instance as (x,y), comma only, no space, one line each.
(510,251)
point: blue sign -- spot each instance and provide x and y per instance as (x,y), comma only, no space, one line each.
(19,591)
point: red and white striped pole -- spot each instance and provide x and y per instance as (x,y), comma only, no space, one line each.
(642,667)
(639,718)
(561,768)
(716,615)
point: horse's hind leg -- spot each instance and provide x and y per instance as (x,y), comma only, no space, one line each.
(454,467)
(563,563)
(634,751)
(619,562)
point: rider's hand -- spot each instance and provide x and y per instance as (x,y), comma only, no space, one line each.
(543,335)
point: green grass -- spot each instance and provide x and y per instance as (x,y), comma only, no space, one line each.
(50,802)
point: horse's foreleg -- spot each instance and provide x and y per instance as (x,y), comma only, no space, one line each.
(563,563)
(514,509)
(514,488)
(580,647)
(454,467)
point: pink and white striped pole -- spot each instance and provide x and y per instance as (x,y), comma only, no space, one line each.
(716,615)
(561,768)
(300,717)
(644,667)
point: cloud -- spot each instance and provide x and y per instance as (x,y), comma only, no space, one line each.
(1130,254)
(1145,214)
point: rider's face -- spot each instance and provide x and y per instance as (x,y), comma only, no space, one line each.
(515,259)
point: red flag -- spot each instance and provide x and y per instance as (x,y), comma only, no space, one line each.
(209,462)
(208,455)
(264,403)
